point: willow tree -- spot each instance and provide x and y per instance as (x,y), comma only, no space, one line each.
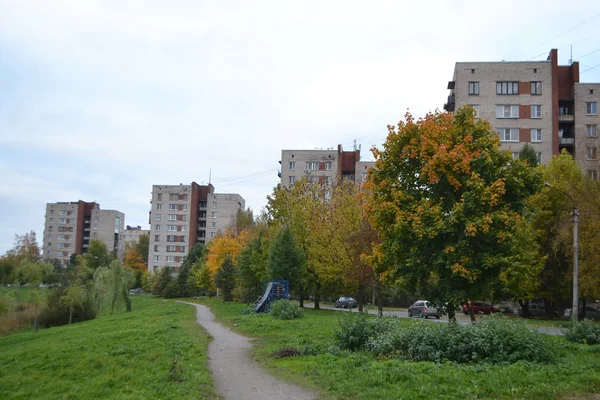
(112,286)
(446,203)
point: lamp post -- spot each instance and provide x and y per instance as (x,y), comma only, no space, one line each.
(575,313)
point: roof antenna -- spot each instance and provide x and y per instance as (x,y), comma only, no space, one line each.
(571,59)
(209,175)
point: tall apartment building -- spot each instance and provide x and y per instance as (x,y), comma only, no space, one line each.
(183,215)
(536,102)
(131,234)
(70,226)
(322,166)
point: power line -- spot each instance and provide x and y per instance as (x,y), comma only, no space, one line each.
(568,30)
(585,55)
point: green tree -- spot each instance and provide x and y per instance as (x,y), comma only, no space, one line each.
(252,263)
(142,247)
(97,255)
(161,281)
(244,219)
(74,297)
(285,261)
(198,252)
(529,155)
(225,278)
(445,201)
(112,285)
(202,278)
(25,248)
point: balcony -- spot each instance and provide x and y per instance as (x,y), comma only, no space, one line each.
(567,141)
(279,174)
(566,118)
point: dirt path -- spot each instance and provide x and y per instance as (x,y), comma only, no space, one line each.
(236,376)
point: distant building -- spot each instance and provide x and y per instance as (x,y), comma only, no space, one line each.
(536,102)
(131,234)
(183,215)
(70,226)
(327,166)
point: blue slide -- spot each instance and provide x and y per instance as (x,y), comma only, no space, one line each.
(260,304)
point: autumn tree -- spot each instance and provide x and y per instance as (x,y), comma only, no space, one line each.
(25,248)
(225,278)
(225,244)
(133,260)
(202,278)
(445,201)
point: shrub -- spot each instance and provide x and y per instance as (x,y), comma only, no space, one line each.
(285,309)
(172,290)
(586,332)
(55,314)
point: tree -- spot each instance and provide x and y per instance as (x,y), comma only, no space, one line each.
(33,273)
(361,272)
(97,255)
(142,247)
(202,278)
(226,244)
(161,281)
(445,201)
(225,278)
(25,248)
(528,155)
(285,261)
(133,260)
(75,296)
(243,220)
(112,285)
(252,262)
(198,252)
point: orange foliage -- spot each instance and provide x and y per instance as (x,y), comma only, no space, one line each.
(223,245)
(133,260)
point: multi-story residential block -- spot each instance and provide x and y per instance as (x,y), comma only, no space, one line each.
(183,215)
(70,226)
(132,235)
(536,102)
(322,166)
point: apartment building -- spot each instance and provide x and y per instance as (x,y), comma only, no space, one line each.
(70,226)
(536,102)
(132,235)
(324,166)
(183,215)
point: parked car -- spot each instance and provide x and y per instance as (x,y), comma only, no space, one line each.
(345,302)
(537,310)
(590,313)
(422,309)
(480,307)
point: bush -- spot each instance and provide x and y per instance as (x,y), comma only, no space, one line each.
(494,339)
(285,309)
(56,315)
(586,332)
(172,290)
(356,329)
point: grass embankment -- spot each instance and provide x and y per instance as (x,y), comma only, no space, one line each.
(362,376)
(157,351)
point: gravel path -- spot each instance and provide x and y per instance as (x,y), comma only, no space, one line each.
(236,376)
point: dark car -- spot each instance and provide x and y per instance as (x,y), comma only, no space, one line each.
(480,307)
(422,309)
(345,302)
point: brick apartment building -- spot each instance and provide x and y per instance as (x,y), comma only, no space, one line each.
(327,166)
(183,215)
(131,234)
(536,102)
(70,226)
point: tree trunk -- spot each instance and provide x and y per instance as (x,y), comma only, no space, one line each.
(70,315)
(35,324)
(379,300)
(361,296)
(317,295)
(471,311)
(374,291)
(301,295)
(582,315)
(451,312)
(525,307)
(127,303)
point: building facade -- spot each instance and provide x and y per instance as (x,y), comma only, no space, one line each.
(536,102)
(70,226)
(132,235)
(327,166)
(183,215)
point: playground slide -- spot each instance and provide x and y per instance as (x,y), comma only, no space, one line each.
(261,303)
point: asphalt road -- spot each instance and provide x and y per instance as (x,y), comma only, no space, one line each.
(460,317)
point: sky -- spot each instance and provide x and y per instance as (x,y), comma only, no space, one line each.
(101,99)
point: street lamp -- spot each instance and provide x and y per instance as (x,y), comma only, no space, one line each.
(575,313)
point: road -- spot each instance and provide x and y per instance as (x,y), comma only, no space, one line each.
(460,317)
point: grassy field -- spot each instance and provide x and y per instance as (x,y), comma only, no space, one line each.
(361,376)
(155,352)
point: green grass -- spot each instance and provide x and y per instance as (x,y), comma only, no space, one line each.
(155,352)
(361,376)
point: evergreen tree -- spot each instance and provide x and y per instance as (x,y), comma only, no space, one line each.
(529,155)
(285,260)
(225,278)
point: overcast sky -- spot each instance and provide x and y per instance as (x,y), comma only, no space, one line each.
(99,100)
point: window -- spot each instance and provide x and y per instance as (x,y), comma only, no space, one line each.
(50,228)
(172,217)
(214,214)
(183,196)
(593,174)
(312,165)
(536,135)
(172,228)
(212,234)
(507,111)
(62,212)
(62,220)
(590,108)
(591,131)
(539,157)
(170,258)
(509,135)
(292,165)
(328,165)
(591,153)
(159,206)
(95,234)
(173,196)
(536,111)
(476,108)
(158,217)
(155,247)
(182,249)
(49,244)
(214,204)
(184,207)
(213,224)
(157,228)
(170,249)
(51,212)
(507,87)
(159,197)
(536,88)
(515,155)
(364,176)
(328,180)
(60,237)
(172,207)
(183,217)
(67,245)
(183,228)
(171,238)
(314,179)
(51,220)
(473,88)
(156,258)
(292,180)
(61,245)
(157,238)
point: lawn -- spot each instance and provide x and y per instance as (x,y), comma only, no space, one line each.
(155,352)
(361,376)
